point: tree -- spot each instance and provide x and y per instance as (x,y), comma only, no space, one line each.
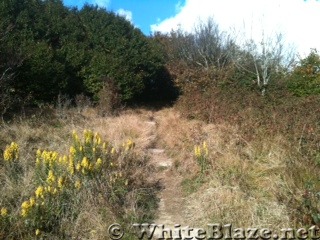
(120,52)
(206,46)
(70,51)
(305,78)
(11,59)
(264,61)
(199,59)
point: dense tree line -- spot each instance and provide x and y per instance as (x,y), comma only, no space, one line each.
(48,49)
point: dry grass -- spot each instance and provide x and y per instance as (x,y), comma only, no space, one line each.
(53,132)
(248,183)
(267,146)
(128,125)
(251,182)
(178,136)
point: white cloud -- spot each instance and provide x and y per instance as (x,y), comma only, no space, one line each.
(101,3)
(126,14)
(298,20)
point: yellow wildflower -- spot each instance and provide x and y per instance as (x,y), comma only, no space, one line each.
(71,166)
(51,178)
(32,201)
(65,159)
(38,232)
(90,167)
(45,156)
(77,185)
(48,189)
(38,153)
(113,151)
(54,156)
(75,136)
(205,148)
(206,152)
(78,167)
(129,145)
(49,157)
(73,151)
(24,212)
(39,192)
(98,163)
(88,135)
(61,181)
(204,145)
(97,138)
(85,163)
(11,152)
(197,151)
(3,212)
(25,207)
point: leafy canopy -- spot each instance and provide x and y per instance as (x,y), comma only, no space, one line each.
(70,51)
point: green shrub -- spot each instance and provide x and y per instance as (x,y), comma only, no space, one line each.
(60,50)
(305,79)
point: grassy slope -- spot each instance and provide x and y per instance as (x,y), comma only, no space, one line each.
(248,183)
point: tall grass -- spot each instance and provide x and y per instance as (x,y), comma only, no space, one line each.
(269,150)
(62,185)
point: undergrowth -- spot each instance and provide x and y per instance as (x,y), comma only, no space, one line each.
(277,131)
(76,194)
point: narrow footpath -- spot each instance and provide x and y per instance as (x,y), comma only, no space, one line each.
(172,201)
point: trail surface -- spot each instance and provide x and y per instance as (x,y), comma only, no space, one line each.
(171,206)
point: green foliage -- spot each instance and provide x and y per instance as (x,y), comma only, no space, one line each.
(311,201)
(69,51)
(44,75)
(305,79)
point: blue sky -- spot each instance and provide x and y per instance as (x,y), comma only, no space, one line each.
(142,13)
(297,20)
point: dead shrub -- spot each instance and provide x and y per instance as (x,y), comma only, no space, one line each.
(109,98)
(82,102)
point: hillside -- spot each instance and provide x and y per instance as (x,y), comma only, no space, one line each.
(101,124)
(244,183)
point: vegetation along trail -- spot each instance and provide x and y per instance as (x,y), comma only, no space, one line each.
(102,124)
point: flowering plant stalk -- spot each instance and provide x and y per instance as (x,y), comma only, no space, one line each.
(201,153)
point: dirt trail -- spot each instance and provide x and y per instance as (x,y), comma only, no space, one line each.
(172,202)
